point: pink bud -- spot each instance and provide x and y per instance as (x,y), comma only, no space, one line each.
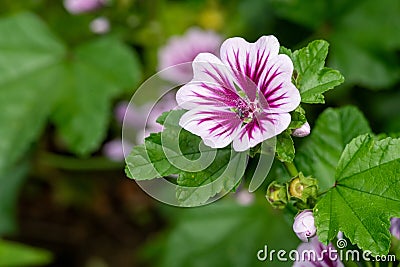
(303,131)
(100,25)
(304,226)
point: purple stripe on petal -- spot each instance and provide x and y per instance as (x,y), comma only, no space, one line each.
(217,96)
(226,122)
(264,86)
(242,78)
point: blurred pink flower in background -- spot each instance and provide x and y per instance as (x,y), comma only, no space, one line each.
(140,122)
(83,6)
(183,49)
(114,149)
(395,227)
(244,197)
(100,25)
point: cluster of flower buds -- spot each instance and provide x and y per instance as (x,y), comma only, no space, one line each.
(301,191)
(277,195)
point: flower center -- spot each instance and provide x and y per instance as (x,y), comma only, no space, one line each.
(245,110)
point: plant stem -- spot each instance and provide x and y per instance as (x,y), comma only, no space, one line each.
(76,164)
(390,264)
(291,169)
(369,264)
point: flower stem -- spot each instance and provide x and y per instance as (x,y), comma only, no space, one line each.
(369,264)
(291,169)
(390,264)
(76,164)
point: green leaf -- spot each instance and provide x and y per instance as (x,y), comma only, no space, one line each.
(298,118)
(365,195)
(224,234)
(285,147)
(29,71)
(148,161)
(40,77)
(223,174)
(312,78)
(17,255)
(99,71)
(320,153)
(164,154)
(285,51)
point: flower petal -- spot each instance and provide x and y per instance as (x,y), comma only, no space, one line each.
(263,127)
(215,127)
(277,87)
(212,85)
(248,60)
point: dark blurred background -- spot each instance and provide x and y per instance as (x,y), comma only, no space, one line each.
(66,66)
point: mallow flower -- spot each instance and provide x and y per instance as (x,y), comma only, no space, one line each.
(316,254)
(304,226)
(395,227)
(244,97)
(183,49)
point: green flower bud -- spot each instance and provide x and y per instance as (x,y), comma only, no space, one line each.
(277,195)
(303,188)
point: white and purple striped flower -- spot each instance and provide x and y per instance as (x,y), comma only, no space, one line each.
(245,97)
(316,254)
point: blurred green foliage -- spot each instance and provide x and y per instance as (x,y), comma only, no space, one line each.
(222,234)
(16,255)
(363,35)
